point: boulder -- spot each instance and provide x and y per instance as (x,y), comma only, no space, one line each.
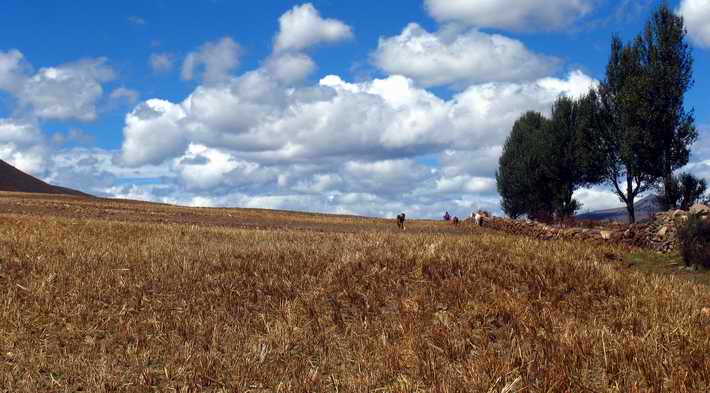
(661,234)
(679,214)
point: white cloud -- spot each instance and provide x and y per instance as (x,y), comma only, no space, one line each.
(218,59)
(290,67)
(479,162)
(696,14)
(386,176)
(64,92)
(19,132)
(384,118)
(516,15)
(596,198)
(270,138)
(302,27)
(21,145)
(29,160)
(319,183)
(73,135)
(122,93)
(206,169)
(465,183)
(462,59)
(152,133)
(12,70)
(69,91)
(335,146)
(162,62)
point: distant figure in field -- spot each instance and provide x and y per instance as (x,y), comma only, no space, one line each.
(400,221)
(447,216)
(456,220)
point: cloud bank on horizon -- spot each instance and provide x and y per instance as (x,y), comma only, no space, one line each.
(421,136)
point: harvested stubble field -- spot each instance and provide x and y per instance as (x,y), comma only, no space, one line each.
(106,296)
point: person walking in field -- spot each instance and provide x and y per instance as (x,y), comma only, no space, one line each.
(447,216)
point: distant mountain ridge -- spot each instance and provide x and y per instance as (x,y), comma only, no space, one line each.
(644,209)
(14,180)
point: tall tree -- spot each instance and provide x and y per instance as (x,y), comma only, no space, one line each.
(520,179)
(691,190)
(668,64)
(621,138)
(565,160)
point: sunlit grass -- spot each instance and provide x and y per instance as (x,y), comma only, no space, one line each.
(320,303)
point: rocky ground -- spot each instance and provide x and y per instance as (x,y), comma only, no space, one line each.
(658,234)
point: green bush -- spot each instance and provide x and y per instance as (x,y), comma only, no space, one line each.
(694,236)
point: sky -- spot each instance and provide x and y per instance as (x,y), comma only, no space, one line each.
(355,107)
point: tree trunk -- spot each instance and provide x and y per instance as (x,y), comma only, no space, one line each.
(630,200)
(630,209)
(669,197)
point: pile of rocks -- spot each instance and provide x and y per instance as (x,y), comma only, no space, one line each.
(662,232)
(659,234)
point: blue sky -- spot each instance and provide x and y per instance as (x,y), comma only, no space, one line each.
(364,107)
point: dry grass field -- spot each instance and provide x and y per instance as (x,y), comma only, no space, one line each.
(113,296)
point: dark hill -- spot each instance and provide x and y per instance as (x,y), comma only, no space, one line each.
(14,180)
(644,209)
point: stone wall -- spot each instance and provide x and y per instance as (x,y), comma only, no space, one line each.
(659,234)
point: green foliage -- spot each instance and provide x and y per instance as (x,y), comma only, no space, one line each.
(642,130)
(682,191)
(567,159)
(545,161)
(691,189)
(630,132)
(694,238)
(520,179)
(667,63)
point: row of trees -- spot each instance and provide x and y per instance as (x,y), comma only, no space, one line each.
(632,131)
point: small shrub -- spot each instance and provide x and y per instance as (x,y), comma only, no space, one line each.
(694,237)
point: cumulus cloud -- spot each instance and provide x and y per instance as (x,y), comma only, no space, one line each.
(383,118)
(470,57)
(12,70)
(334,146)
(516,15)
(290,67)
(21,145)
(68,91)
(385,176)
(217,59)
(696,14)
(596,198)
(162,62)
(302,27)
(269,138)
(152,133)
(479,162)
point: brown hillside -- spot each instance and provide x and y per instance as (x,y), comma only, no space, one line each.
(13,179)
